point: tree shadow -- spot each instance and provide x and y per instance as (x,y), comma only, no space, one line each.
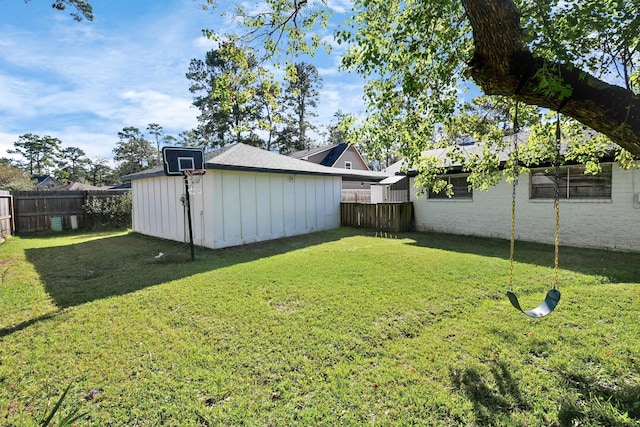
(493,402)
(613,266)
(602,403)
(106,267)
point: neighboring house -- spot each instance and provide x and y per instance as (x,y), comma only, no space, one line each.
(46,182)
(79,186)
(342,156)
(334,156)
(247,195)
(595,211)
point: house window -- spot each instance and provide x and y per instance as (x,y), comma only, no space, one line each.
(574,183)
(347,165)
(460,187)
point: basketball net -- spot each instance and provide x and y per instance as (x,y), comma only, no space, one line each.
(194,176)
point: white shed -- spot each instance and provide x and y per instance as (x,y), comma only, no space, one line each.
(247,195)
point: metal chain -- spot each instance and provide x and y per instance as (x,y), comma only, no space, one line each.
(514,184)
(557,201)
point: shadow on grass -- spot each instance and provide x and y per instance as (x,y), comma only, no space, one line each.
(106,267)
(492,401)
(601,403)
(614,266)
(496,396)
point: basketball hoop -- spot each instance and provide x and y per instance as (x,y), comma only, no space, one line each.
(194,177)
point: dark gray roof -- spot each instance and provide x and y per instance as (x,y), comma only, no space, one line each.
(242,157)
(305,154)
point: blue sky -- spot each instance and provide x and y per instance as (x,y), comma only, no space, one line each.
(82,82)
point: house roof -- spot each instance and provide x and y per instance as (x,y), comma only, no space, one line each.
(392,179)
(242,157)
(332,154)
(78,186)
(469,150)
(305,154)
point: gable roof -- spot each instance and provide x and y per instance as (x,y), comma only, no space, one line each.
(334,154)
(305,154)
(242,157)
(46,181)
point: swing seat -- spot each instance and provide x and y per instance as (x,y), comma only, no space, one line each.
(548,305)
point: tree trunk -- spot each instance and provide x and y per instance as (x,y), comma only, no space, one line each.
(502,66)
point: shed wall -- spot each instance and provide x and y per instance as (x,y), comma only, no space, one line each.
(235,208)
(585,223)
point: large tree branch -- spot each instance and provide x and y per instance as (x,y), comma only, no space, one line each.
(502,65)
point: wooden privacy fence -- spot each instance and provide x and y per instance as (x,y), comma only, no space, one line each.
(7,226)
(57,210)
(391,217)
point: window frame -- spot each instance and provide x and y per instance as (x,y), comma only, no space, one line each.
(574,185)
(465,195)
(348,165)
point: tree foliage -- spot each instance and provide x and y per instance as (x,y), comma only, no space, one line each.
(133,151)
(13,178)
(224,85)
(300,99)
(80,8)
(580,58)
(39,152)
(72,161)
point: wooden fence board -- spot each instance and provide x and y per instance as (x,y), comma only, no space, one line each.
(33,210)
(389,217)
(7,225)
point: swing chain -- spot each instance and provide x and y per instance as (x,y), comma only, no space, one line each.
(557,201)
(514,184)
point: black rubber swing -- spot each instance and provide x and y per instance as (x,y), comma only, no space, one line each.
(553,296)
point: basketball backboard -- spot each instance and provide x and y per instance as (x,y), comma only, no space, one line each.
(178,159)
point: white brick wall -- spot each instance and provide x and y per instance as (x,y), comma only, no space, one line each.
(611,224)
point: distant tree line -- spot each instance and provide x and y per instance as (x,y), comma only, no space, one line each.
(45,155)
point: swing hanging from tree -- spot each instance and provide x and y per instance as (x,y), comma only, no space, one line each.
(553,296)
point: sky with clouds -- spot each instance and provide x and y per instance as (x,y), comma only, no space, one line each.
(82,82)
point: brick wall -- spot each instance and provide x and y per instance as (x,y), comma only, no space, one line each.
(611,224)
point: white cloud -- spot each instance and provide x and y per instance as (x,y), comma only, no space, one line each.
(144,107)
(83,82)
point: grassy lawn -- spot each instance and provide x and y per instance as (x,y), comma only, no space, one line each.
(334,328)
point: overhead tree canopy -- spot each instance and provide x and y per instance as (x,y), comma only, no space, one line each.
(578,57)
(570,37)
(80,8)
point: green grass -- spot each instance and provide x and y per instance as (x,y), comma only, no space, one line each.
(333,328)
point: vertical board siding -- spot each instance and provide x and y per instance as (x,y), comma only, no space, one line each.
(300,190)
(231,199)
(235,208)
(263,203)
(289,205)
(277,209)
(157,209)
(248,208)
